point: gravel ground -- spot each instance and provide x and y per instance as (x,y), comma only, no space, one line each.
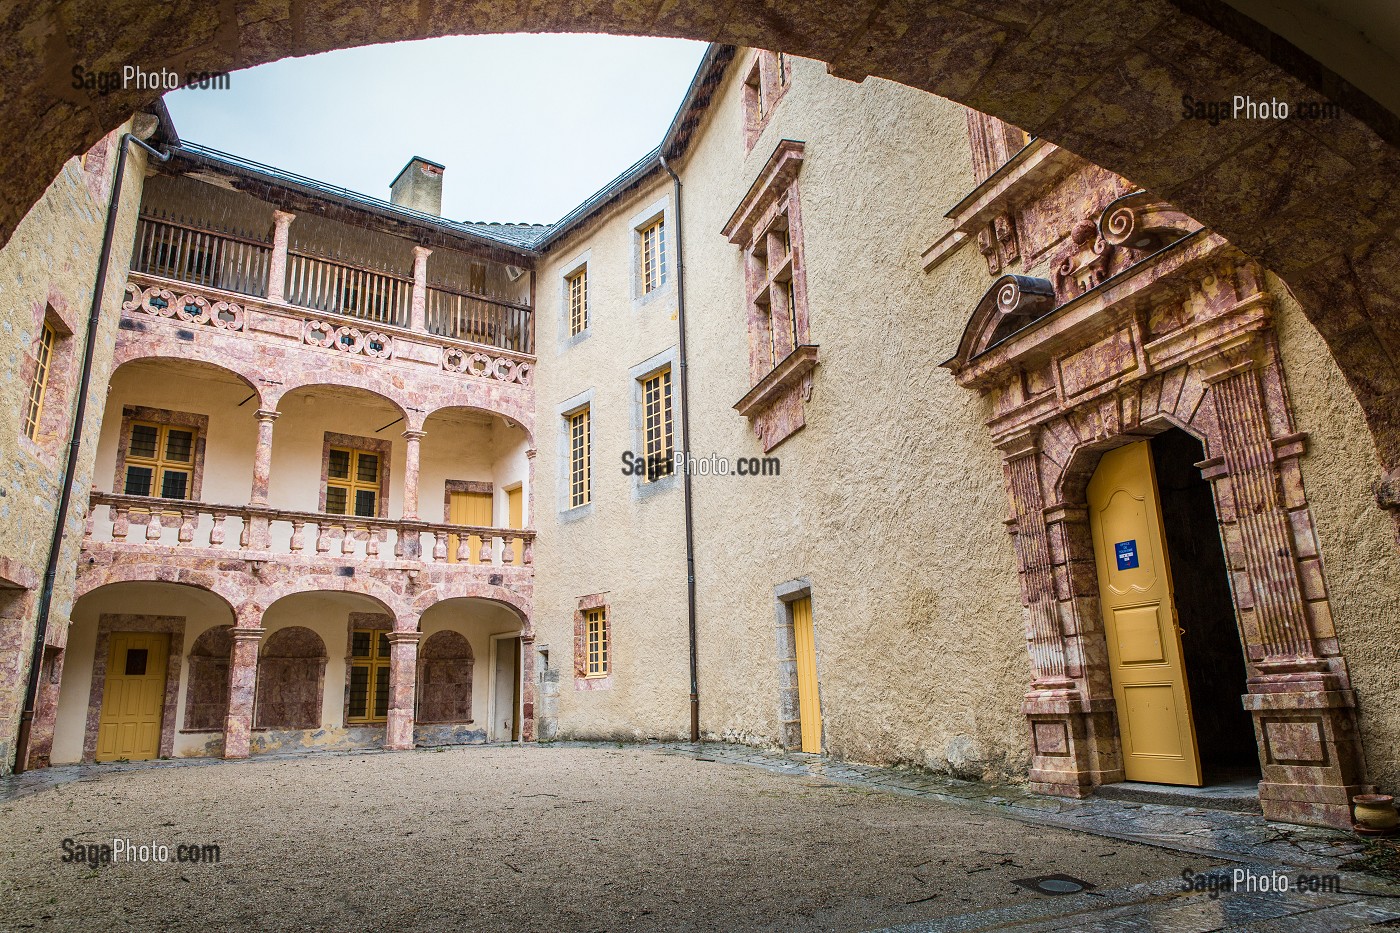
(525,838)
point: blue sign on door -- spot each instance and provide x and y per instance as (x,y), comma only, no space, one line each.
(1127,554)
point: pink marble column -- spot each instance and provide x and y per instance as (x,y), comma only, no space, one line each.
(262,457)
(403,688)
(242,681)
(527,688)
(418,313)
(410,472)
(277,272)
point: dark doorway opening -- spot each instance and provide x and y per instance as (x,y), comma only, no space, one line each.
(1211,649)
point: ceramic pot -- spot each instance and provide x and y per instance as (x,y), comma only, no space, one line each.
(1375,811)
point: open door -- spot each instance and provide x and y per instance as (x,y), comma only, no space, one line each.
(1140,621)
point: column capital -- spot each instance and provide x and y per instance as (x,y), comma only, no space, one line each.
(530,454)
(1022,443)
(404,638)
(249,633)
(265,414)
(283,218)
(421,252)
(414,434)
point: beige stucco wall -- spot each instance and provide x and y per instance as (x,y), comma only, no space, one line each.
(1356,538)
(51,260)
(890,501)
(628,543)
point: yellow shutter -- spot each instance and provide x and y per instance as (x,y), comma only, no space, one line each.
(808,700)
(469,508)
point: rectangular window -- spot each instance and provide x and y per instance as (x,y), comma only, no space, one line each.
(658,438)
(352,482)
(160,460)
(578,302)
(653,256)
(34,411)
(580,474)
(369,676)
(597,622)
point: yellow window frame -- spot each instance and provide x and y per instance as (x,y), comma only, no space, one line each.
(38,389)
(163,463)
(658,435)
(578,301)
(596,626)
(580,470)
(351,482)
(653,255)
(372,663)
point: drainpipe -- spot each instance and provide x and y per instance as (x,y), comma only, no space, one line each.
(75,440)
(685,474)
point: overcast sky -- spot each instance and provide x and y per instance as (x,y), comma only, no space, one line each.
(528,126)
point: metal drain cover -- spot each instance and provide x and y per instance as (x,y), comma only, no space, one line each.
(1054,884)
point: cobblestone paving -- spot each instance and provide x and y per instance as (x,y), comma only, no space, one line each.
(855,871)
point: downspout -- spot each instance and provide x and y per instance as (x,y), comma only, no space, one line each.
(685,474)
(75,441)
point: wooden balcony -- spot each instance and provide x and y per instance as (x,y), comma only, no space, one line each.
(381,295)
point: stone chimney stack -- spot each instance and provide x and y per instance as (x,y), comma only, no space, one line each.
(418,186)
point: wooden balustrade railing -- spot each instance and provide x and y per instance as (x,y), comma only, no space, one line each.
(338,288)
(202,257)
(145,520)
(480,319)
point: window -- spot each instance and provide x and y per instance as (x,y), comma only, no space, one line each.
(653,255)
(580,478)
(352,481)
(39,387)
(578,302)
(767,80)
(597,623)
(658,438)
(160,461)
(369,676)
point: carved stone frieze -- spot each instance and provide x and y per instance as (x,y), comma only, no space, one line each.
(190,308)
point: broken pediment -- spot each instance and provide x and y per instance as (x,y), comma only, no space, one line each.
(1010,304)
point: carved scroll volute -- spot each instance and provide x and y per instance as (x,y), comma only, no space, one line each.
(1084,263)
(1138,221)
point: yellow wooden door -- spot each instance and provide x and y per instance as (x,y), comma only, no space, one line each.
(1144,640)
(133,697)
(468,508)
(808,702)
(515,502)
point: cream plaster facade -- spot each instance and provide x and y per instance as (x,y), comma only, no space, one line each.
(891,510)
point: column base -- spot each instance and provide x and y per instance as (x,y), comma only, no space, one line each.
(1311,804)
(398,732)
(1073,743)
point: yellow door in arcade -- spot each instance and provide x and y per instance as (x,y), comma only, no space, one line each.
(133,697)
(1140,622)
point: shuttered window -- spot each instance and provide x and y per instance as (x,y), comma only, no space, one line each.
(160,460)
(580,478)
(578,302)
(597,621)
(352,482)
(653,255)
(34,411)
(658,438)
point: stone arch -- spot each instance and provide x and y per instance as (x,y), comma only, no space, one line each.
(92,578)
(521,606)
(393,605)
(519,418)
(1300,222)
(445,667)
(134,351)
(207,683)
(379,385)
(291,678)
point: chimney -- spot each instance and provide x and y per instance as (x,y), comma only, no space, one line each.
(418,186)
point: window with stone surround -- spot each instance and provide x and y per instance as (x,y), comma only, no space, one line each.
(369,677)
(658,433)
(39,384)
(355,475)
(592,642)
(765,83)
(161,453)
(580,469)
(578,301)
(652,255)
(767,226)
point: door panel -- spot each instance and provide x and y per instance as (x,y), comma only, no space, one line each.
(133,697)
(469,508)
(515,502)
(1144,642)
(808,699)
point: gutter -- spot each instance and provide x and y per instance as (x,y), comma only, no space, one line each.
(685,474)
(75,441)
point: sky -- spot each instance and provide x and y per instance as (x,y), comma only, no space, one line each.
(527,126)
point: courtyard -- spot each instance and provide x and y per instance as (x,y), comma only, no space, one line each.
(605,837)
